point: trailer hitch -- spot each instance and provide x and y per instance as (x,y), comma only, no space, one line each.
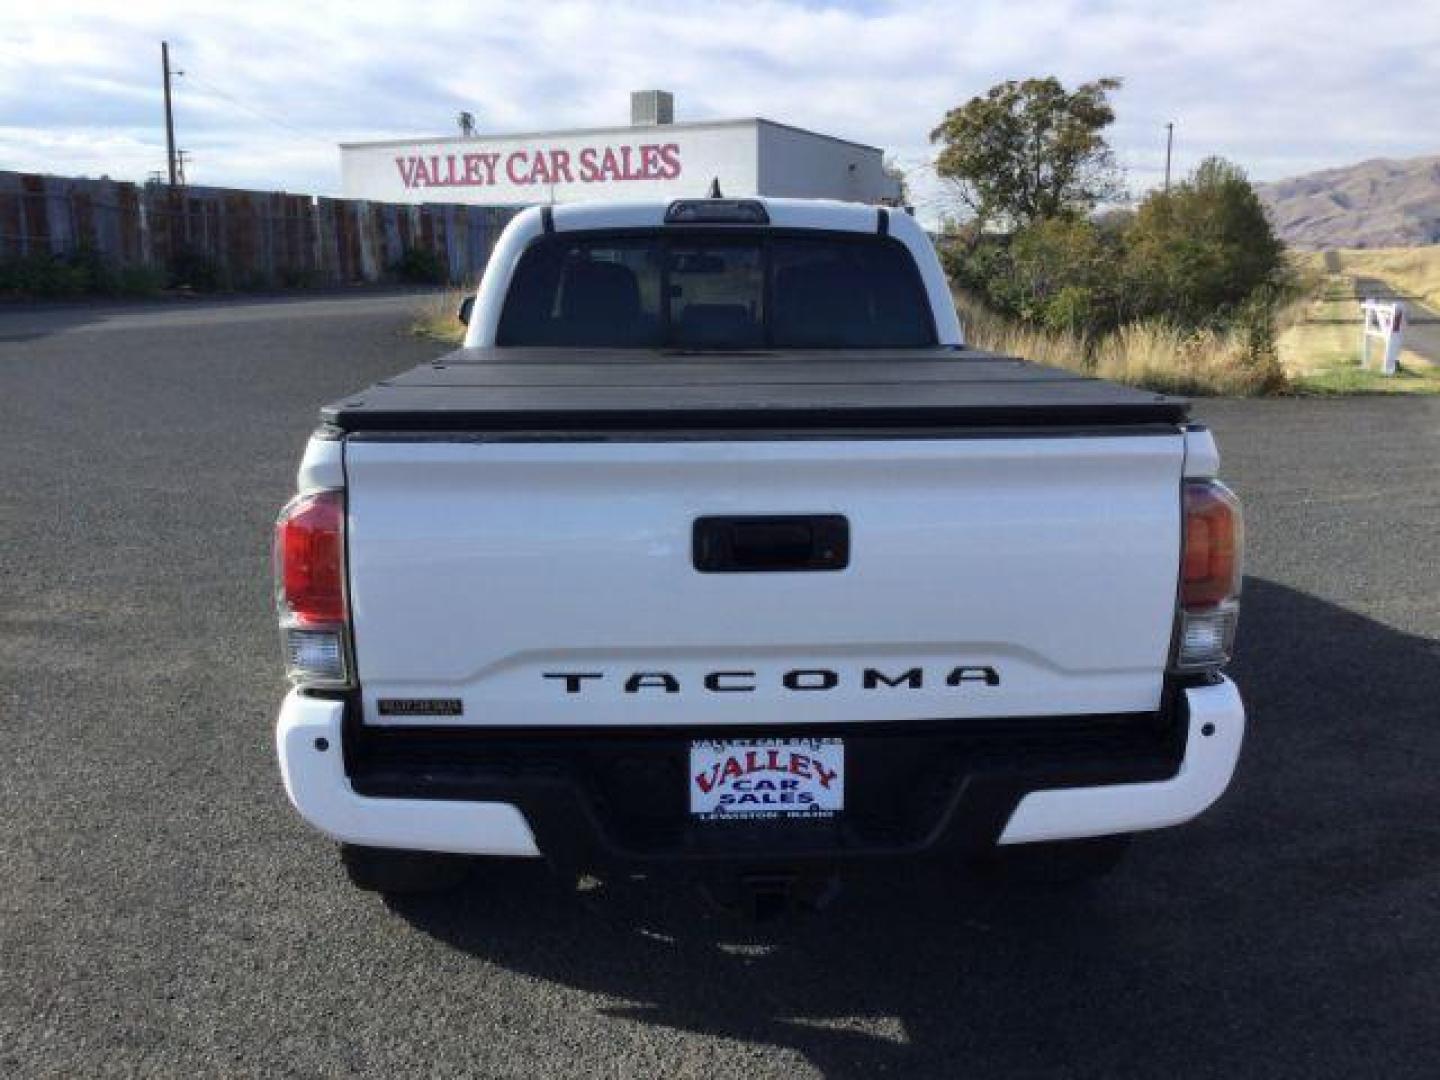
(767,896)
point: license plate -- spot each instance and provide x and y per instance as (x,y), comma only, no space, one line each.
(744,779)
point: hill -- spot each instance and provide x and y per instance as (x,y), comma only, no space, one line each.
(1379,203)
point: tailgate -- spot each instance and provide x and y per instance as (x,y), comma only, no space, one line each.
(545,584)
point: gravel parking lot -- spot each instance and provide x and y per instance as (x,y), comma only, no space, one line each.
(163,911)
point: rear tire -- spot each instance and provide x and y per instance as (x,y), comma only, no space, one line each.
(396,872)
(1055,863)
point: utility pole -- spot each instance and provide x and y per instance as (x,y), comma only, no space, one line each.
(1169,142)
(181,157)
(169,113)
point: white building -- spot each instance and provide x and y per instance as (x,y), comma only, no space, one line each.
(651,158)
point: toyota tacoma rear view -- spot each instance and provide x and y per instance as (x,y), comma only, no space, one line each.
(715,549)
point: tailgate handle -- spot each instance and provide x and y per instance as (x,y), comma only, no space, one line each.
(771,543)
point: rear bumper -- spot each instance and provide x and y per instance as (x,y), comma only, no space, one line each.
(1214,730)
(935,789)
(309,739)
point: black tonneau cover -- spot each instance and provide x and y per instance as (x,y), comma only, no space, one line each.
(572,391)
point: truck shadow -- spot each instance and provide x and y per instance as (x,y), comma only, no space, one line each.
(1285,926)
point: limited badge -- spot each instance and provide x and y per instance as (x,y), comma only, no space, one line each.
(445,706)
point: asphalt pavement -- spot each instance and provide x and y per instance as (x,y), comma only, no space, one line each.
(164,912)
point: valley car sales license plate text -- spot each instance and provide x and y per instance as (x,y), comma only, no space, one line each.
(739,779)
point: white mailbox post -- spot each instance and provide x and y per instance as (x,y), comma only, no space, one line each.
(1385,321)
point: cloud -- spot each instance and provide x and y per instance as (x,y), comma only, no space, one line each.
(1280,86)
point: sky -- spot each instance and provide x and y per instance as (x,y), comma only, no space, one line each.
(1281,87)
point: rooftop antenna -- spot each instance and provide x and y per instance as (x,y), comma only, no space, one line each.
(466,120)
(715,189)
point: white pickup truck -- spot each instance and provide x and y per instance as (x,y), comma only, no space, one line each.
(715,548)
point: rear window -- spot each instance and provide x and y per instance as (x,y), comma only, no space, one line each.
(697,290)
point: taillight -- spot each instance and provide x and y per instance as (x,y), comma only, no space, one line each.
(1211,568)
(310,588)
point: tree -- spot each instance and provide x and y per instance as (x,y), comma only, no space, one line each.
(1030,150)
(895,171)
(1200,251)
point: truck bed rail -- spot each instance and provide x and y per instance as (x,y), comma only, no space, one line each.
(560,391)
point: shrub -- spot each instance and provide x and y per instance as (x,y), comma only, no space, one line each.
(299,277)
(1057,273)
(1256,327)
(421,266)
(1197,253)
(136,281)
(1190,258)
(1063,271)
(252,281)
(83,272)
(1154,355)
(194,270)
(45,276)
(1072,309)
(982,265)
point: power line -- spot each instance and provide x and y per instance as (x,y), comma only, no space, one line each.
(259,115)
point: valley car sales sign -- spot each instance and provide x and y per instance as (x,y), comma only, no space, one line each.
(541,166)
(521,170)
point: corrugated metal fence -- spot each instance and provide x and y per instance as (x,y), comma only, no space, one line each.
(249,239)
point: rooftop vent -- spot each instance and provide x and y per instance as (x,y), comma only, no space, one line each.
(651,107)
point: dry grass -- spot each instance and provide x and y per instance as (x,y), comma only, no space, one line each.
(1322,330)
(984,329)
(1317,348)
(1320,348)
(436,316)
(1151,355)
(1200,362)
(1412,272)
